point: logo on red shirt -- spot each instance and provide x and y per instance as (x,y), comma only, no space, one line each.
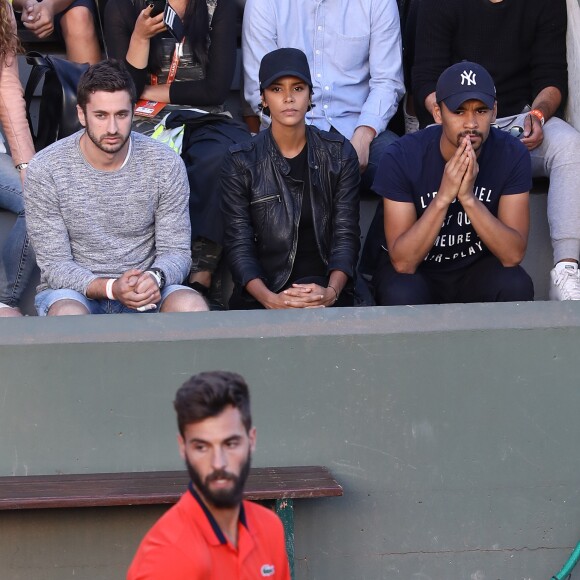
(267,570)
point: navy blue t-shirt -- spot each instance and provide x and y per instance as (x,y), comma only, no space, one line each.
(411,170)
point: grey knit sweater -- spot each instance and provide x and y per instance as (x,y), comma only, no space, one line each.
(85,223)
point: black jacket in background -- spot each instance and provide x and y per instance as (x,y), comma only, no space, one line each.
(261,207)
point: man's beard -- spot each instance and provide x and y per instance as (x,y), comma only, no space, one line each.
(106,148)
(221,498)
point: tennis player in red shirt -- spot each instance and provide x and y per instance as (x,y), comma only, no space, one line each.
(211,534)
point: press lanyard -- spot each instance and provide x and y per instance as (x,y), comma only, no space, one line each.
(145,108)
(177,54)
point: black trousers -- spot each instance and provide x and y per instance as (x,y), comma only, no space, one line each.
(484,281)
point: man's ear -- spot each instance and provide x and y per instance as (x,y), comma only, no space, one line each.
(252,437)
(81,116)
(437,114)
(181,446)
(494,115)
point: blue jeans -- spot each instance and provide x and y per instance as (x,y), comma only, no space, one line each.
(45,299)
(378,146)
(376,233)
(17,259)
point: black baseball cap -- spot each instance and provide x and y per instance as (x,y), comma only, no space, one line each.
(284,62)
(463,81)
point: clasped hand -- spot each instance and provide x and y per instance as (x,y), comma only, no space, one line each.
(136,288)
(38,17)
(460,173)
(305,296)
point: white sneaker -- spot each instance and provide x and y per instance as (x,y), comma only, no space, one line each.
(565,282)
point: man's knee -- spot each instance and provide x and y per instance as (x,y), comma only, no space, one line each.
(67,307)
(400,289)
(514,285)
(78,25)
(185,300)
(561,143)
(7,312)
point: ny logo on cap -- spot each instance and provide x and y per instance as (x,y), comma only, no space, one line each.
(468,77)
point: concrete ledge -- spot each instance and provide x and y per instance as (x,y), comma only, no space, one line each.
(261,325)
(453,430)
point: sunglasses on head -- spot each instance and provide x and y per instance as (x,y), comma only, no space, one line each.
(515,130)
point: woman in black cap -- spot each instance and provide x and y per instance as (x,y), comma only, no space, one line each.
(290,201)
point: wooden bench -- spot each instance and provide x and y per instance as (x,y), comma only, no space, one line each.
(279,486)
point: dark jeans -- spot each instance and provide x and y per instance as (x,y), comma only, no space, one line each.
(241,300)
(378,146)
(484,281)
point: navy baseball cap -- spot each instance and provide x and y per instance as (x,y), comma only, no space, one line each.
(284,62)
(463,81)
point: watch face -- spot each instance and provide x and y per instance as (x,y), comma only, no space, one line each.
(161,275)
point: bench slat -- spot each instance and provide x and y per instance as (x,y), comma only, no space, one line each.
(154,487)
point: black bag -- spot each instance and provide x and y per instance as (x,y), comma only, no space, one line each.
(57,115)
(206,141)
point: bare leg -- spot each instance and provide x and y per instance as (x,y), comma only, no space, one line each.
(80,36)
(184,301)
(7,312)
(67,308)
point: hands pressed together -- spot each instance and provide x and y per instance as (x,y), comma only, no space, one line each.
(136,289)
(302,296)
(38,17)
(460,174)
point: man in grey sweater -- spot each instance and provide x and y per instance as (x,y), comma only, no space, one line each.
(107,211)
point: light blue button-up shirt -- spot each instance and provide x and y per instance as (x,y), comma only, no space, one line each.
(353,48)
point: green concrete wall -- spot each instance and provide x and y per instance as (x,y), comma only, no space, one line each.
(453,430)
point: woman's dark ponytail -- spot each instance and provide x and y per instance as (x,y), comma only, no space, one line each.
(197,29)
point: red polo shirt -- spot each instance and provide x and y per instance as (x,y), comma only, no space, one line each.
(186,543)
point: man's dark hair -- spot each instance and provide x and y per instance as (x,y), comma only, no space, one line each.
(208,394)
(109,76)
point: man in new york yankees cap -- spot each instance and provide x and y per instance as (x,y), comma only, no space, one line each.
(522,43)
(455,203)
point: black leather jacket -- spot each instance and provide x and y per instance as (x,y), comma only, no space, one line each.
(262,206)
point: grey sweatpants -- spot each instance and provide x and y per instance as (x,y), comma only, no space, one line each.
(558,158)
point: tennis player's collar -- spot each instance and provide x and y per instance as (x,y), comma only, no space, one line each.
(215,526)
